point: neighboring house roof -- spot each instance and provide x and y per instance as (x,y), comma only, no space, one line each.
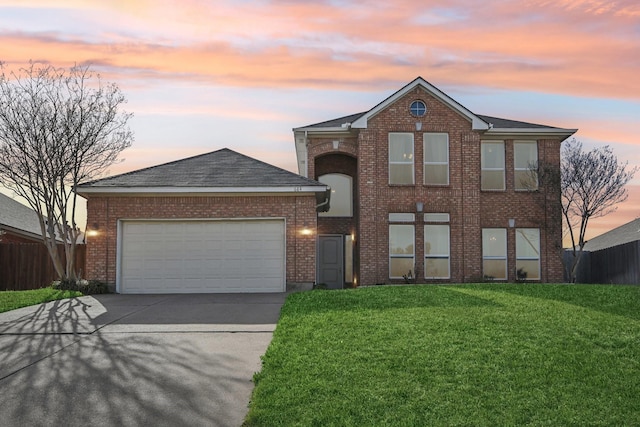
(221,171)
(18,218)
(629,232)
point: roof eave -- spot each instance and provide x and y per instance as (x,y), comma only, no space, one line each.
(200,190)
(21,232)
(530,132)
(335,130)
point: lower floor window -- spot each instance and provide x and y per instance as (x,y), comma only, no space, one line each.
(494,253)
(401,250)
(436,251)
(528,254)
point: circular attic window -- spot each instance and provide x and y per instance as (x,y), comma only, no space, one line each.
(418,108)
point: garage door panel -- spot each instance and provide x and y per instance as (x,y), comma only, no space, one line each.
(202,256)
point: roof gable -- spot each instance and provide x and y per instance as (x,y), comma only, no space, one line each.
(217,170)
(487,125)
(476,122)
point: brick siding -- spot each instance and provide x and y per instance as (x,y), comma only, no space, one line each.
(299,212)
(470,209)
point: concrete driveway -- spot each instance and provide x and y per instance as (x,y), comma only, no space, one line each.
(133,360)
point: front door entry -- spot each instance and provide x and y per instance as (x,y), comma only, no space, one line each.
(331,261)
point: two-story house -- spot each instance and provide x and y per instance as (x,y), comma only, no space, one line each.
(425,190)
(417,187)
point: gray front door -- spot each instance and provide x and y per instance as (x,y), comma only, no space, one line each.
(330,261)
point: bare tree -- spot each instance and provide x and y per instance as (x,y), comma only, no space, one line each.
(58,127)
(592,183)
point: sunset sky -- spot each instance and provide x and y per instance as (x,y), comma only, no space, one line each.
(202,75)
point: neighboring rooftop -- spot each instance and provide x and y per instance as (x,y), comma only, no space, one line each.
(18,218)
(629,232)
(218,169)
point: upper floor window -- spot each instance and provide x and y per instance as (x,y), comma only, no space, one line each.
(525,161)
(401,158)
(418,108)
(341,204)
(436,158)
(492,164)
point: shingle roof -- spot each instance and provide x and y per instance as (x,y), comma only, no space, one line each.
(629,232)
(221,168)
(18,217)
(497,122)
(512,124)
(337,122)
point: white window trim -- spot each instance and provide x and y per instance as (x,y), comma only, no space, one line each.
(411,161)
(503,168)
(426,163)
(515,169)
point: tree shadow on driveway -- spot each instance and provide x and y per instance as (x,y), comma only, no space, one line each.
(78,362)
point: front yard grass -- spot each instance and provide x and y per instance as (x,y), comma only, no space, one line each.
(10,300)
(475,355)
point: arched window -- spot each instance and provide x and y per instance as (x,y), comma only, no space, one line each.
(341,194)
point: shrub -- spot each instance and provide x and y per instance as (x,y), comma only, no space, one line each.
(87,287)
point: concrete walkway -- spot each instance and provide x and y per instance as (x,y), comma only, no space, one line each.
(134,360)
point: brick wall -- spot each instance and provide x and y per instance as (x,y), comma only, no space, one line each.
(103,213)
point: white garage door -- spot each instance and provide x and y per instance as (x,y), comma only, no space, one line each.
(202,256)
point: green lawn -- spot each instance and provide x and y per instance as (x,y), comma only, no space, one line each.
(474,355)
(10,300)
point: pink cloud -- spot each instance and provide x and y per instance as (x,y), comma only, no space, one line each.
(291,44)
(624,213)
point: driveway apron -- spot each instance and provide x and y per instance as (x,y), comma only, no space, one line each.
(134,360)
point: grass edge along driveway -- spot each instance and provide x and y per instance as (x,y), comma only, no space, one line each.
(482,355)
(11,300)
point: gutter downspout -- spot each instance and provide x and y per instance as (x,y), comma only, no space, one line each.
(306,154)
(327,199)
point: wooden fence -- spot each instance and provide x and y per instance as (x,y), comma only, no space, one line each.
(616,265)
(28,265)
(619,264)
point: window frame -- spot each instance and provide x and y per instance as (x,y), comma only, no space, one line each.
(432,163)
(411,161)
(402,256)
(443,224)
(496,257)
(483,144)
(417,113)
(516,169)
(528,258)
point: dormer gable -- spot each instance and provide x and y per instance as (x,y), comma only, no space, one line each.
(476,122)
